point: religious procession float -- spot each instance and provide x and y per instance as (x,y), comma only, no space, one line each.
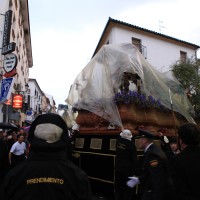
(118,89)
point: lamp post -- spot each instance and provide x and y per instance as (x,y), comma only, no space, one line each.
(8,103)
(19,101)
(24,93)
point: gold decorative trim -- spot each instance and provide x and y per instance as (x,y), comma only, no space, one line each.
(79,143)
(102,180)
(113,144)
(101,154)
(96,143)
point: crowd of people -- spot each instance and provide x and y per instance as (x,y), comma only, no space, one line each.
(169,171)
(46,172)
(37,163)
(13,149)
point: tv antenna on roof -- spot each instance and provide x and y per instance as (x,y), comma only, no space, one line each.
(160,25)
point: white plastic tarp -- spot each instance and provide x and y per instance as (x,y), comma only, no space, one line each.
(96,85)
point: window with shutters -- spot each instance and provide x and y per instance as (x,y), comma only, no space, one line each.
(137,43)
(183,56)
(143,49)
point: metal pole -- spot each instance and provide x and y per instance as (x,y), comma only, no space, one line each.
(6,113)
(172,111)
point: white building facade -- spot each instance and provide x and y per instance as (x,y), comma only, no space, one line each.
(19,35)
(160,50)
(34,99)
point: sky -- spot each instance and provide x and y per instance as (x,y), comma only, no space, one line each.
(65,33)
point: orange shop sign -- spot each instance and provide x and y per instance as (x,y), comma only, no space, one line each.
(17,101)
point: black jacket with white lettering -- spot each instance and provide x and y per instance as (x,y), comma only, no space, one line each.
(46,175)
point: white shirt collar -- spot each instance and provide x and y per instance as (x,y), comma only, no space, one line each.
(147,147)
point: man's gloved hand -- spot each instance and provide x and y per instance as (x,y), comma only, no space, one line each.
(75,127)
(166,140)
(133,182)
(163,138)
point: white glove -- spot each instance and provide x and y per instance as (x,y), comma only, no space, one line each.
(166,139)
(133,182)
(75,127)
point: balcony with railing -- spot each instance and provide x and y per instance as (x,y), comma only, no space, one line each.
(143,50)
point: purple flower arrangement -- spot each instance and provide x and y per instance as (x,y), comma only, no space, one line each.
(147,102)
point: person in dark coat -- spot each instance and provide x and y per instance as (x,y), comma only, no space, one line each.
(3,160)
(125,165)
(156,178)
(47,174)
(188,163)
(11,139)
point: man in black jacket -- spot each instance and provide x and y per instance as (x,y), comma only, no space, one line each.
(188,163)
(47,174)
(125,165)
(156,179)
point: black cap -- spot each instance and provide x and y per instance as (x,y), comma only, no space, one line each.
(145,134)
(173,140)
(47,120)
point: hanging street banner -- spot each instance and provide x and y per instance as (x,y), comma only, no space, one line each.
(6,88)
(7,27)
(7,47)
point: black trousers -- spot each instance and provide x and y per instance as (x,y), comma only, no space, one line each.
(16,159)
(122,191)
